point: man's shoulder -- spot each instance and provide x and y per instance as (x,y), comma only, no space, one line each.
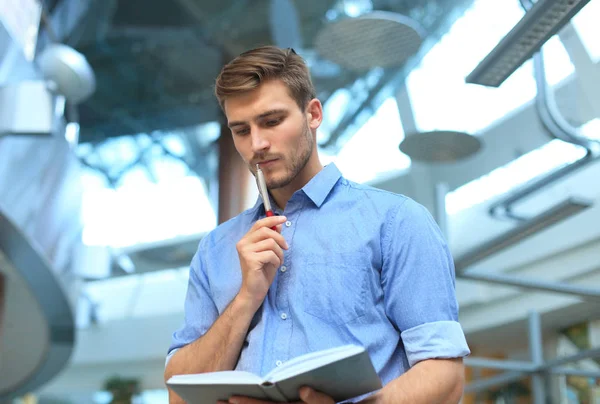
(369,191)
(398,204)
(233,227)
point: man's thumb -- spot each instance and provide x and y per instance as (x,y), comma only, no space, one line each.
(306,394)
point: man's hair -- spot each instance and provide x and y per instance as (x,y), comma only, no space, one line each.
(247,71)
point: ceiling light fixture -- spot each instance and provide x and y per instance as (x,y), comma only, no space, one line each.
(543,20)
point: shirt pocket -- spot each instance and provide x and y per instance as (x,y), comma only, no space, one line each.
(334,287)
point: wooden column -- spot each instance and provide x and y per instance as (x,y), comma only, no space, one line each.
(233,177)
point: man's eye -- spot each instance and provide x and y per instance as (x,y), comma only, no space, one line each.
(241,132)
(273,122)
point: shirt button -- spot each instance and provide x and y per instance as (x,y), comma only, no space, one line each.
(279,363)
(283,268)
(283,316)
(288,223)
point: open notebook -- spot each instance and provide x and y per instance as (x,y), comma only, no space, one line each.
(342,373)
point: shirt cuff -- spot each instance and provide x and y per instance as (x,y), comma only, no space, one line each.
(169,355)
(435,340)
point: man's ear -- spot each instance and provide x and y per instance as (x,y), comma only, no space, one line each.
(314,113)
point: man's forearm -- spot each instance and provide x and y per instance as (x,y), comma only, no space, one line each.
(219,348)
(435,381)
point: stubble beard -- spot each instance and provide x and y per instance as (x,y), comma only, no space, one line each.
(297,160)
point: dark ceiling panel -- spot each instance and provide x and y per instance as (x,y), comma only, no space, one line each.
(151,55)
(147,13)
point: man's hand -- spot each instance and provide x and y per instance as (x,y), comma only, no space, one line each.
(260,252)
(307,395)
(311,396)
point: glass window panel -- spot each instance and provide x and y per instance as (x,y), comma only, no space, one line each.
(146,212)
(156,199)
(372,153)
(142,295)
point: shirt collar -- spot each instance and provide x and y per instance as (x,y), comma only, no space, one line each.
(316,189)
(321,184)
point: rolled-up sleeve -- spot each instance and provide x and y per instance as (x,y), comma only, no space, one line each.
(419,286)
(200,311)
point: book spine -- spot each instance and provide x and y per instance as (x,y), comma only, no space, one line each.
(273,392)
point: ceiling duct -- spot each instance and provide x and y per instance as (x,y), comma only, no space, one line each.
(556,125)
(376,39)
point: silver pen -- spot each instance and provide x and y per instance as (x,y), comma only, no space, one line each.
(264,193)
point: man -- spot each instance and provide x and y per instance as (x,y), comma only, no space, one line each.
(347,263)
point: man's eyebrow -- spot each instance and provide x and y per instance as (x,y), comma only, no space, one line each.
(257,117)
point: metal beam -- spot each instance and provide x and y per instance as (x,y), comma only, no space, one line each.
(585,354)
(575,372)
(525,367)
(536,350)
(501,379)
(441,215)
(555,287)
(553,366)
(499,364)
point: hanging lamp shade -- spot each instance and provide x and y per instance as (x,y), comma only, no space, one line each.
(69,70)
(440,146)
(376,39)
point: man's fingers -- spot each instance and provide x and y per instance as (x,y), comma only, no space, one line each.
(311,396)
(307,395)
(268,245)
(269,257)
(269,222)
(247,400)
(265,233)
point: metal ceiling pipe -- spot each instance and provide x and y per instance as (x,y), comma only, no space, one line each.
(538,223)
(558,128)
(503,207)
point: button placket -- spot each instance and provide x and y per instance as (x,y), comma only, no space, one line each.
(281,351)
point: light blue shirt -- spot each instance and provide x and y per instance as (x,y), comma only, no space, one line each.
(364,266)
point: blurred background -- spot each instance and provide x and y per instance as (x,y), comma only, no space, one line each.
(114,163)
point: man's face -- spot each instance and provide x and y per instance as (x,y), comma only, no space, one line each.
(269,129)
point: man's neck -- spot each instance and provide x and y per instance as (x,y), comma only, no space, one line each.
(284,194)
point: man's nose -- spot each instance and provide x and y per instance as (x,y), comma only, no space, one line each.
(259,141)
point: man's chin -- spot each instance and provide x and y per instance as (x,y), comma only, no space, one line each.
(276,183)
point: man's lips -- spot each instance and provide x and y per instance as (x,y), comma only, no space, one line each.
(266,162)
